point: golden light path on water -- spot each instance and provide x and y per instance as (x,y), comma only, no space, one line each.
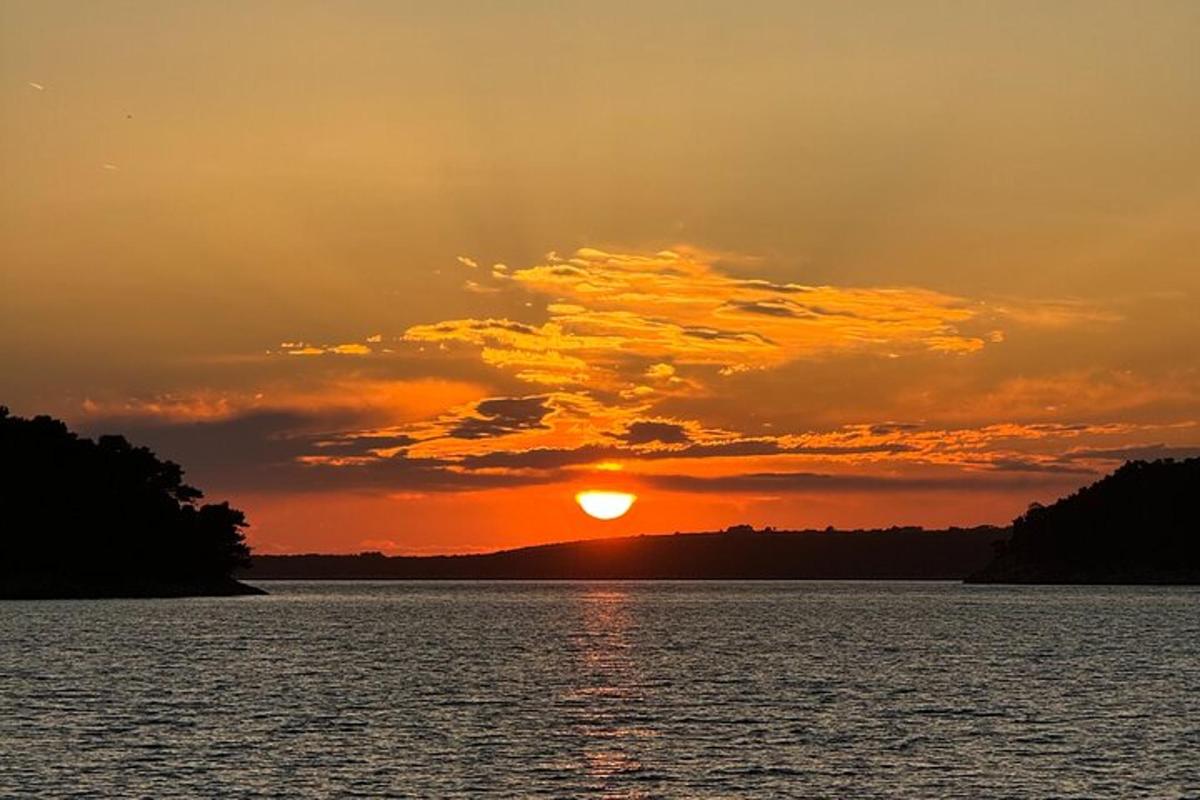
(604,504)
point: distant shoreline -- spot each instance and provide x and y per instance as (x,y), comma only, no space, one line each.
(741,554)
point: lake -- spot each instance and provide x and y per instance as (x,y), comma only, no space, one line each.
(622,690)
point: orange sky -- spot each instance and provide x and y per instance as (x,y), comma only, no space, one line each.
(401,278)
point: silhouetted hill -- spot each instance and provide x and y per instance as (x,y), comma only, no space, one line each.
(83,518)
(898,553)
(1139,525)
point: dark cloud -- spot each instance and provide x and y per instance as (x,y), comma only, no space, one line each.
(453,326)
(1030,465)
(542,457)
(821,311)
(887,428)
(238,451)
(401,473)
(648,431)
(364,444)
(768,309)
(263,452)
(1147,452)
(502,416)
(739,447)
(557,458)
(769,286)
(787,309)
(716,335)
(775,482)
(767,447)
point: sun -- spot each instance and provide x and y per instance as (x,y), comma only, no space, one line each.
(605,505)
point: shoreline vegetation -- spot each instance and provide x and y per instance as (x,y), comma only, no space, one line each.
(107,519)
(103,518)
(1139,525)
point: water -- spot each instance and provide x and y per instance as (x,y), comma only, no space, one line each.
(606,690)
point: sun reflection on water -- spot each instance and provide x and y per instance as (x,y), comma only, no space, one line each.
(608,693)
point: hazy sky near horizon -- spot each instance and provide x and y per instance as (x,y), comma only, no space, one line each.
(406,276)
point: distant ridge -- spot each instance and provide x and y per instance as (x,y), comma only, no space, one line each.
(737,554)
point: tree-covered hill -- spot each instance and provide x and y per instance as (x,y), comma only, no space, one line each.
(1140,524)
(103,518)
(739,553)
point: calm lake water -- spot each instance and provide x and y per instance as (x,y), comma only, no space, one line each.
(606,690)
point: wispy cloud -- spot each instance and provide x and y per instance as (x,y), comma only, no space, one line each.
(344,349)
(819,483)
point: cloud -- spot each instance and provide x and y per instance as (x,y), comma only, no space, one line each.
(510,441)
(368,443)
(541,458)
(243,450)
(467,262)
(1079,393)
(886,428)
(812,482)
(1035,465)
(339,407)
(1060,313)
(286,451)
(1146,452)
(346,349)
(502,416)
(653,431)
(611,316)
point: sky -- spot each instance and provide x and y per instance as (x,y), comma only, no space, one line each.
(407,276)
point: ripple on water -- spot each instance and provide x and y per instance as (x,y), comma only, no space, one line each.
(620,690)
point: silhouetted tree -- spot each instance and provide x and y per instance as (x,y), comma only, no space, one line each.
(1139,524)
(105,512)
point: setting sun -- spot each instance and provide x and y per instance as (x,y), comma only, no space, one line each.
(605,505)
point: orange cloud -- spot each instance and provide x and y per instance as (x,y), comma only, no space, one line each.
(346,349)
(615,319)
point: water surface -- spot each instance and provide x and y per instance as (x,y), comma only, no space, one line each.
(672,689)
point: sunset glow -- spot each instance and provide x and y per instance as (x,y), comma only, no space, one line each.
(426,274)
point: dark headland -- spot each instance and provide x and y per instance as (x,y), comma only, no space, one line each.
(83,518)
(1139,525)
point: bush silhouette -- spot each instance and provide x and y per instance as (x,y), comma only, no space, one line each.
(104,514)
